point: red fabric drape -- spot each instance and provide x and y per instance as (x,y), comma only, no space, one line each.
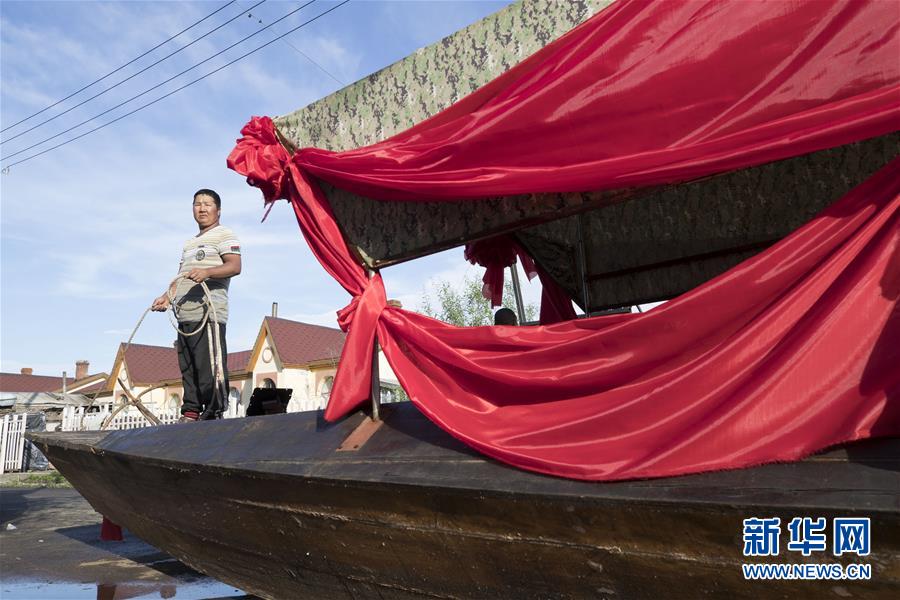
(499,252)
(268,166)
(787,353)
(556,305)
(794,350)
(649,93)
(496,254)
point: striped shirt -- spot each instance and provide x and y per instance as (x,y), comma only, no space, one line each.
(203,251)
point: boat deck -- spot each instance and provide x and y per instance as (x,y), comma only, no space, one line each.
(409,449)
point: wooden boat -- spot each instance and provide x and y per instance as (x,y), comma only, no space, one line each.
(285,506)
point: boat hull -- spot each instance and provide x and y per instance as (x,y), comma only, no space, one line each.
(272,506)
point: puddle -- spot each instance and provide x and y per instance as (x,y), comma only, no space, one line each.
(200,590)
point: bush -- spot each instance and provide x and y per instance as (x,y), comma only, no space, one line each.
(52,479)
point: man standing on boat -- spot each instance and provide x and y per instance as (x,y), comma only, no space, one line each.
(212,257)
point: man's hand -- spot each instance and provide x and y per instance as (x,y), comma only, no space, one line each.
(198,275)
(161,304)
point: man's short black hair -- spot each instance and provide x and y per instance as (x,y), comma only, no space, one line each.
(212,194)
(505,316)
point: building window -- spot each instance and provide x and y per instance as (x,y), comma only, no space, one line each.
(174,401)
(326,387)
(123,399)
(268,384)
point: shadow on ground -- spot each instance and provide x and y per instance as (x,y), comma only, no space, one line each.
(54,551)
(132,549)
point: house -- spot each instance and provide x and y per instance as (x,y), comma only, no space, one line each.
(285,354)
(151,370)
(25,392)
(27,381)
(295,355)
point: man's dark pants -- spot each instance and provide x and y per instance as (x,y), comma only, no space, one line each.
(197,376)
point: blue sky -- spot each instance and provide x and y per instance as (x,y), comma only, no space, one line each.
(91,232)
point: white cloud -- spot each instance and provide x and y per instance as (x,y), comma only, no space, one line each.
(24,92)
(91,232)
(333,56)
(118,332)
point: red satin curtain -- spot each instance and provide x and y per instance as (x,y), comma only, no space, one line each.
(789,352)
(556,305)
(496,254)
(792,351)
(649,93)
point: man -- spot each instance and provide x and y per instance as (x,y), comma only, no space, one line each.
(505,316)
(212,256)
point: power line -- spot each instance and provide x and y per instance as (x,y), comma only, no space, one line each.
(114,86)
(306,56)
(158,85)
(114,71)
(27,158)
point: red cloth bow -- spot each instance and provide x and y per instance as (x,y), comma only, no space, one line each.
(354,384)
(496,254)
(261,157)
(499,252)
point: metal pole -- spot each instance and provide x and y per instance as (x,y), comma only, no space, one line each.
(376,384)
(582,259)
(376,377)
(520,308)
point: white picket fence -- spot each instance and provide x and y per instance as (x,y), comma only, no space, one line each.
(127,419)
(136,420)
(12,443)
(12,429)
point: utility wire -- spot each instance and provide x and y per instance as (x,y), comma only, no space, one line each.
(158,85)
(114,86)
(191,26)
(309,58)
(27,158)
(304,55)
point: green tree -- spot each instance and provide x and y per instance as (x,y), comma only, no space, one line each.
(466,306)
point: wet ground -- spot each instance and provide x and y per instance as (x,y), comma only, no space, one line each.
(50,549)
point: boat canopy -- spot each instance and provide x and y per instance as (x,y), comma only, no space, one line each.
(648,149)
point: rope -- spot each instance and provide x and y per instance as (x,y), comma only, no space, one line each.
(214,341)
(215,357)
